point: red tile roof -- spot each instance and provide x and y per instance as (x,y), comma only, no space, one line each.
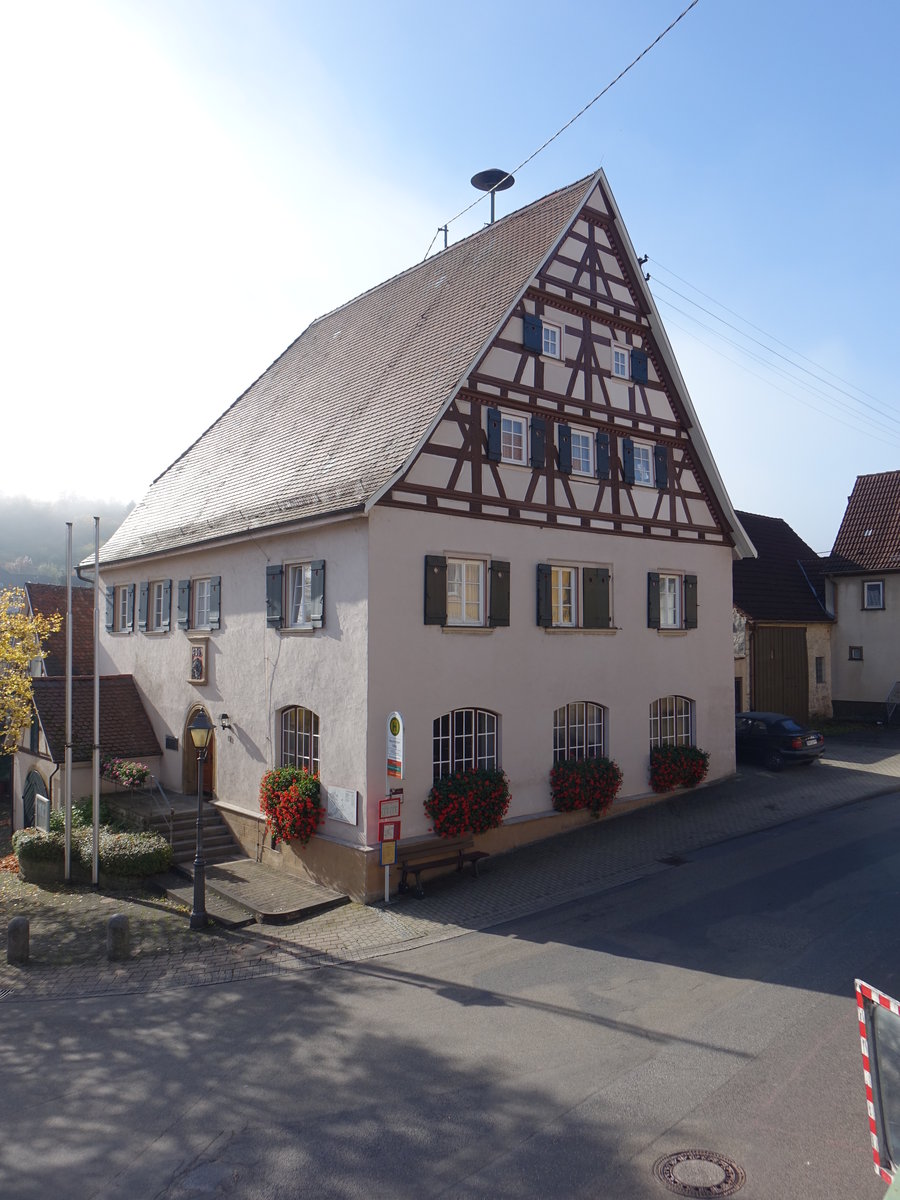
(869,536)
(125,728)
(780,584)
(49,598)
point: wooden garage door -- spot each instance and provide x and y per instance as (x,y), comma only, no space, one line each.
(781,672)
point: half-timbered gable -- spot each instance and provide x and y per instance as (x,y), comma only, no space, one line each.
(573,414)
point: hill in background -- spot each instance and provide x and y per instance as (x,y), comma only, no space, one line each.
(33,535)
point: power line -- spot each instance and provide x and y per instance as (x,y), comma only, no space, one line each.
(562,129)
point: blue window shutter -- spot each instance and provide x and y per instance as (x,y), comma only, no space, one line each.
(110,609)
(628,460)
(595,597)
(653,600)
(532,333)
(493,434)
(602,455)
(435,589)
(661,467)
(538,441)
(565,449)
(639,366)
(215,601)
(690,601)
(317,593)
(499,598)
(143,605)
(184,604)
(129,618)
(167,605)
(544,594)
(274,592)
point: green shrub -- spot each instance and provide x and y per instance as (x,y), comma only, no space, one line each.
(468,801)
(33,845)
(591,783)
(123,853)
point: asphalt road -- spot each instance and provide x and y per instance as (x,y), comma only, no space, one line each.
(708,1006)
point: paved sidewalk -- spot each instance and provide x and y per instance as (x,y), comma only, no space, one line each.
(68,952)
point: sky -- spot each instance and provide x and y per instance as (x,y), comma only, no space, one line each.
(188,185)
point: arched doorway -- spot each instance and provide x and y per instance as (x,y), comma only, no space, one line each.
(189,768)
(35,786)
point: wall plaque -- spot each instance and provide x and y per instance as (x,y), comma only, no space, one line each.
(342,804)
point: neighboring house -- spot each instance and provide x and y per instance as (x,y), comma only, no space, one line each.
(782,644)
(477,495)
(125,728)
(864,585)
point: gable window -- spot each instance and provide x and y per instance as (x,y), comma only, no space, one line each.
(466,592)
(643,464)
(573,597)
(300,739)
(579,731)
(513,432)
(671,601)
(856,653)
(620,362)
(582,443)
(550,340)
(464,739)
(873,593)
(671,722)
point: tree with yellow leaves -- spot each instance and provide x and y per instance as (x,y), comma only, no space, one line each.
(20,644)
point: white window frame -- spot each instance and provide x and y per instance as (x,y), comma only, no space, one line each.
(201,596)
(155,614)
(464,739)
(585,464)
(621,363)
(643,464)
(579,731)
(551,340)
(514,438)
(121,622)
(671,722)
(671,605)
(296,607)
(300,738)
(875,584)
(564,581)
(465,591)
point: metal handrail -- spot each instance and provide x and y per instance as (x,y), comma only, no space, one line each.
(168,812)
(893,699)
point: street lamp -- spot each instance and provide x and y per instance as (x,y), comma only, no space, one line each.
(200,730)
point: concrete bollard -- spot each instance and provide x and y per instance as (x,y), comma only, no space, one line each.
(118,938)
(17,939)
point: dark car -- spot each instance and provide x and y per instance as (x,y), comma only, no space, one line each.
(775,740)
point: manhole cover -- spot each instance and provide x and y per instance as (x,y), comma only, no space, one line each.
(699,1173)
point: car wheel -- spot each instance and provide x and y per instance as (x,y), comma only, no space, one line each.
(773,760)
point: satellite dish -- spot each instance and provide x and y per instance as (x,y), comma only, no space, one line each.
(493,180)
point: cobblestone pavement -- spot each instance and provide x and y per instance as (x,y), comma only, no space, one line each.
(68,926)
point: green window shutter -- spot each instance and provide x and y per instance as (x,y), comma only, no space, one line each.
(166,605)
(129,618)
(110,609)
(639,366)
(317,593)
(538,442)
(661,467)
(602,455)
(533,333)
(628,460)
(493,434)
(565,449)
(653,600)
(274,594)
(499,599)
(595,597)
(544,594)
(184,604)
(435,589)
(143,605)
(215,601)
(690,601)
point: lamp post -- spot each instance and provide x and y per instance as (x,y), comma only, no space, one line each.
(200,730)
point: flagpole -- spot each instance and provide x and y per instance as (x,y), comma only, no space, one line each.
(68,784)
(95,868)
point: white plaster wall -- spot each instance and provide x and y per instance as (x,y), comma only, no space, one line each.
(255,671)
(876,630)
(524,673)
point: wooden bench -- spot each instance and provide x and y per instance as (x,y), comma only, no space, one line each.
(419,857)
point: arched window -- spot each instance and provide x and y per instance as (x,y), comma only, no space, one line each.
(671,722)
(579,731)
(300,739)
(463,739)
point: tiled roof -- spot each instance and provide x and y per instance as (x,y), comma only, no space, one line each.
(781,583)
(49,598)
(869,536)
(341,411)
(125,729)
